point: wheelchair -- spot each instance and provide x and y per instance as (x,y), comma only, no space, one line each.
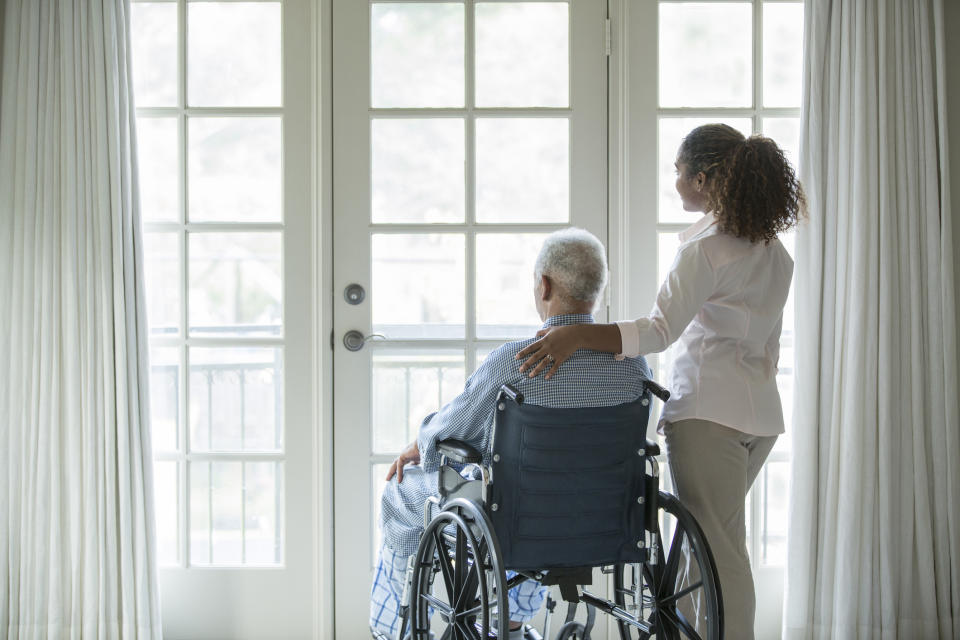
(559,493)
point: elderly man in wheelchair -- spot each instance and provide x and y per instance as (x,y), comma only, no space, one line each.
(521,483)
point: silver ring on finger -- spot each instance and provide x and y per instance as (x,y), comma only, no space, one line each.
(550,357)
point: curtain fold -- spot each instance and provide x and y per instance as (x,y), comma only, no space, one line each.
(875,491)
(77,548)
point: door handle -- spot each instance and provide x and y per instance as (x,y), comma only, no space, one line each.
(354,340)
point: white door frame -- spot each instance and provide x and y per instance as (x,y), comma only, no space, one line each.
(351,144)
(254,602)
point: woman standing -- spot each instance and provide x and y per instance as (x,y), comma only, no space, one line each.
(723,303)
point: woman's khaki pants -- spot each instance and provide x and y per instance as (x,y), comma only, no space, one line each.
(713,468)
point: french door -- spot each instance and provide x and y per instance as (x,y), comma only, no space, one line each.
(463,133)
(223,124)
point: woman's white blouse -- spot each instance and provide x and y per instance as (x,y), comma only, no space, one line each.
(722,303)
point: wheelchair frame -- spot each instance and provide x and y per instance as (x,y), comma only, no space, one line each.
(460,544)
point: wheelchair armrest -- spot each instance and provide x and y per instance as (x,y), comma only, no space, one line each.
(652,448)
(459,451)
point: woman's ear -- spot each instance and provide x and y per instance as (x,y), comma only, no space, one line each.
(701,181)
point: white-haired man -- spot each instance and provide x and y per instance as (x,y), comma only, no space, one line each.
(569,278)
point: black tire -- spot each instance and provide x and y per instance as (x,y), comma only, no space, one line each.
(458,545)
(661,582)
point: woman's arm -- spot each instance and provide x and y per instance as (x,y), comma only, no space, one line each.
(688,286)
(690,283)
(556,344)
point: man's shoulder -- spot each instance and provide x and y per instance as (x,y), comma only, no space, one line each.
(502,362)
(503,359)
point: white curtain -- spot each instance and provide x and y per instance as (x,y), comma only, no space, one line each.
(77,549)
(875,498)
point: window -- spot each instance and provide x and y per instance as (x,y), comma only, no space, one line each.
(207,79)
(739,63)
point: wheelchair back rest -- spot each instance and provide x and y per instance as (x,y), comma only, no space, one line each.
(566,482)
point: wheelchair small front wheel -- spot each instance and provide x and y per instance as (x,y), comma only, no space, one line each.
(471,585)
(678,595)
(572,630)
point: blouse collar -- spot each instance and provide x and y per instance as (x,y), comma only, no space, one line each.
(698,227)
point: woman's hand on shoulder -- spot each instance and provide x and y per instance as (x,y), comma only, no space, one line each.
(553,347)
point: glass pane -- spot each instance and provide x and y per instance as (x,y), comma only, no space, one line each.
(165,397)
(216,513)
(523,169)
(153,36)
(236,399)
(406,386)
(785,387)
(672,132)
(786,132)
(377,473)
(416,54)
(162,274)
(166,489)
(233,54)
(236,283)
(706,54)
(418,283)
(782,54)
(200,505)
(775,515)
(226,509)
(263,500)
(522,54)
(235,169)
(667,245)
(418,170)
(158,168)
(505,299)
(787,354)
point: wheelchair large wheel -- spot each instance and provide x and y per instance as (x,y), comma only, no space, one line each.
(678,595)
(458,545)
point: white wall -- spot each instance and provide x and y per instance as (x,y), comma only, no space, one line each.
(951,28)
(3,10)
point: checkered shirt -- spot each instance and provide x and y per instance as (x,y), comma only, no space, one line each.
(587,379)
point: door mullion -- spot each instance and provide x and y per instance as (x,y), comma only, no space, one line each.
(470,209)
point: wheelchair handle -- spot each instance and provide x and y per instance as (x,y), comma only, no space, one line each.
(657,390)
(511,392)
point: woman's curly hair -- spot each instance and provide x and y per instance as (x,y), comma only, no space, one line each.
(753,190)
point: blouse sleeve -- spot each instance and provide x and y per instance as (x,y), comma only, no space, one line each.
(688,286)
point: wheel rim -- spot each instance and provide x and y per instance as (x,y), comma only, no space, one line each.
(680,596)
(449,549)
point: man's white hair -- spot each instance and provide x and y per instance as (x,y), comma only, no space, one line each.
(575,261)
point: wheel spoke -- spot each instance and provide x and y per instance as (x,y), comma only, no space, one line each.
(472,611)
(680,623)
(448,634)
(468,630)
(671,599)
(445,569)
(438,604)
(461,556)
(469,587)
(673,560)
